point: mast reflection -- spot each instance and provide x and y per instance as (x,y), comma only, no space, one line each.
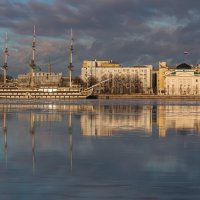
(70,139)
(98,120)
(5,135)
(32,132)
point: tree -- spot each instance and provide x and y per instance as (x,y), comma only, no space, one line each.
(137,85)
(91,81)
(79,81)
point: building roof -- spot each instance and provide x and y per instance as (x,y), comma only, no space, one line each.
(184,66)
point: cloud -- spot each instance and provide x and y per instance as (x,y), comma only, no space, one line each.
(130,32)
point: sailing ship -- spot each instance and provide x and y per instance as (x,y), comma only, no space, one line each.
(41,85)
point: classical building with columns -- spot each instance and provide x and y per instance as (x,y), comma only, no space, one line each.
(182,80)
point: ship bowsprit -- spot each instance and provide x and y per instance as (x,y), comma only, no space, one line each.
(87,92)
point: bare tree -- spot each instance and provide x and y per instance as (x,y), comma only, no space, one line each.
(92,81)
(121,85)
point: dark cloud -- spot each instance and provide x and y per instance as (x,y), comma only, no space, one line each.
(130,32)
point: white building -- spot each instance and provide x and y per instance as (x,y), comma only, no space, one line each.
(184,80)
(102,70)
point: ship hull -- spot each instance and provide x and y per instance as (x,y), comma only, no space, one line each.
(42,93)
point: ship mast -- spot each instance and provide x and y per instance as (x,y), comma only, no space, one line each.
(70,60)
(32,64)
(5,60)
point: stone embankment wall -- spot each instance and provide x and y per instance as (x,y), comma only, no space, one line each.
(183,97)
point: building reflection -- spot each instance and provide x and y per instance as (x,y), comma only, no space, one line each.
(183,119)
(105,120)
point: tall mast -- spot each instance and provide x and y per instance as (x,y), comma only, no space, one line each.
(32,64)
(70,60)
(5,59)
(33,46)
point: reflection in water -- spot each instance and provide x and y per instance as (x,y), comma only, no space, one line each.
(182,119)
(70,139)
(121,167)
(32,132)
(5,135)
(105,120)
(35,118)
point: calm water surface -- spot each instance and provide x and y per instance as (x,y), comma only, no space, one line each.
(146,150)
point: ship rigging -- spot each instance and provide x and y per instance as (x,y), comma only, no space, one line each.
(41,85)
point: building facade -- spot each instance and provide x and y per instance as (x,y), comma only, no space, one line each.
(39,79)
(129,76)
(163,68)
(183,81)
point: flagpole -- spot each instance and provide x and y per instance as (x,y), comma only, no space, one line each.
(185,55)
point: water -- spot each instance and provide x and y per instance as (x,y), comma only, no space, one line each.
(144,150)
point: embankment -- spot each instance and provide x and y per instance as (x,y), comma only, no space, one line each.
(125,96)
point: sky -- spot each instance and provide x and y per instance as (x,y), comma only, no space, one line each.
(130,32)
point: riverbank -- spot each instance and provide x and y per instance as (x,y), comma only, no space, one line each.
(125,96)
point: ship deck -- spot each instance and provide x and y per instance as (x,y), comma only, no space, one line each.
(22,93)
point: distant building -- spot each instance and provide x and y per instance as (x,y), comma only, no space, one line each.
(163,68)
(102,70)
(39,79)
(184,80)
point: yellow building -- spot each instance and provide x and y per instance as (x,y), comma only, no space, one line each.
(101,63)
(163,68)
